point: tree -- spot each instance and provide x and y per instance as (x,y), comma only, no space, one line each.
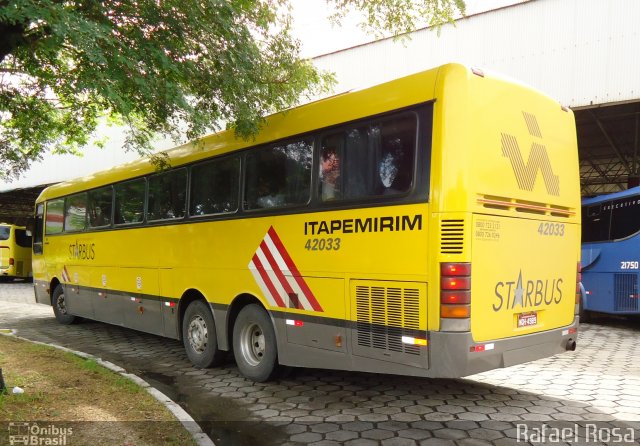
(158,66)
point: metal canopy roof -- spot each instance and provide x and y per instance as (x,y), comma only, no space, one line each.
(17,205)
(608,140)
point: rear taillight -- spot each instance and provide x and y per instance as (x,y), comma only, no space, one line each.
(11,261)
(455,269)
(455,311)
(455,283)
(455,296)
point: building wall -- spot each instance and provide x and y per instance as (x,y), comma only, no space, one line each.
(581,52)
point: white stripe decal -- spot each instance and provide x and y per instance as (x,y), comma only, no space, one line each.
(261,284)
(293,283)
(274,278)
(277,256)
(280,276)
(275,253)
(65,274)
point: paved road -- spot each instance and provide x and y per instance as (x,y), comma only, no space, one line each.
(597,386)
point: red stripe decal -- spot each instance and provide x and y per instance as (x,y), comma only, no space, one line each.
(292,267)
(267,281)
(278,272)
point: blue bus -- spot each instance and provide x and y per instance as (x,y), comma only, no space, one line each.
(611,254)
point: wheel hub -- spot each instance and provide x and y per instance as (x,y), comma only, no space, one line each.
(60,303)
(198,334)
(252,344)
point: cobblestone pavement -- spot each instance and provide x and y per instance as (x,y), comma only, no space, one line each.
(597,386)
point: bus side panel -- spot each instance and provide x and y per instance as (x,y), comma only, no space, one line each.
(610,276)
(78,293)
(322,333)
(107,304)
(5,255)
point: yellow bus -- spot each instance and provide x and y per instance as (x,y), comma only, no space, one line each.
(428,226)
(15,252)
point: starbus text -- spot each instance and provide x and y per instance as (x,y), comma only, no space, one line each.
(82,251)
(527,294)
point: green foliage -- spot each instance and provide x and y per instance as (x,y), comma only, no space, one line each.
(175,67)
(399,17)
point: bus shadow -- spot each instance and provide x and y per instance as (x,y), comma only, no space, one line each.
(312,405)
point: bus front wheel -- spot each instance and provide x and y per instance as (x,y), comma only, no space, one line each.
(254,344)
(59,303)
(199,336)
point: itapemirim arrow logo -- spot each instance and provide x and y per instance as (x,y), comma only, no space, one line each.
(538,159)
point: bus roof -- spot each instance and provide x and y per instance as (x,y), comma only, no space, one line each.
(396,94)
(613,196)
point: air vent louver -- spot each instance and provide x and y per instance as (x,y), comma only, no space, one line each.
(384,315)
(451,236)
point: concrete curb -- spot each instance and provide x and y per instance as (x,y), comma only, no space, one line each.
(178,412)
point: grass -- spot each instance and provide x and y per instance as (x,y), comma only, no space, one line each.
(104,407)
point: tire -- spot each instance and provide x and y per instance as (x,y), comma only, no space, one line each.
(59,304)
(585,316)
(254,344)
(199,336)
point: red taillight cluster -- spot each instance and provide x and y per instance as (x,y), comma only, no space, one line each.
(455,290)
(11,261)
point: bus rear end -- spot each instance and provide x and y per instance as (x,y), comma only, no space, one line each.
(506,161)
(6,255)
(15,252)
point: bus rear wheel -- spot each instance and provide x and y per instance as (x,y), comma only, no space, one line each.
(585,315)
(254,344)
(59,303)
(199,336)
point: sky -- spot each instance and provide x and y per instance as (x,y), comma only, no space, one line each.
(310,25)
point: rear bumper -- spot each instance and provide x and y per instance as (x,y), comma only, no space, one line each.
(451,354)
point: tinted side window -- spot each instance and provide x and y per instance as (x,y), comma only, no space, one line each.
(278,176)
(5,232)
(625,217)
(595,222)
(129,205)
(611,220)
(55,216)
(369,160)
(214,187)
(75,214)
(39,226)
(23,239)
(167,195)
(99,209)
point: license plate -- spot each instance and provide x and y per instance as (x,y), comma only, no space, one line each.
(527,319)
